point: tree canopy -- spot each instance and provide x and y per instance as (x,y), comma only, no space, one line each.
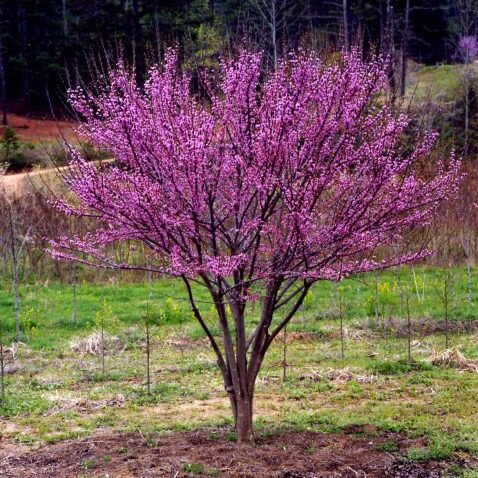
(254,189)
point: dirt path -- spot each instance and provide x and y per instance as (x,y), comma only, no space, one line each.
(210,453)
(14,183)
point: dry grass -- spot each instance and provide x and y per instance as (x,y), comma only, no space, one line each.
(454,358)
(337,375)
(93,345)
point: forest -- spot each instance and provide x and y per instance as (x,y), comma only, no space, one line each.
(239,238)
(46,44)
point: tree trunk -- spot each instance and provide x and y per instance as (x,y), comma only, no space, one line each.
(22,30)
(467,112)
(468,284)
(239,368)
(65,18)
(405,42)
(346,24)
(2,368)
(243,419)
(274,33)
(3,87)
(74,316)
(16,299)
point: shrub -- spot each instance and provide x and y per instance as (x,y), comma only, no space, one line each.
(12,156)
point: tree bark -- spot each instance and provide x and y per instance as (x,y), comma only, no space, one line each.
(404,52)
(244,426)
(240,357)
(346,24)
(65,18)
(3,87)
(22,30)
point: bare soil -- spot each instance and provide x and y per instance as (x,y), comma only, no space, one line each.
(36,130)
(208,453)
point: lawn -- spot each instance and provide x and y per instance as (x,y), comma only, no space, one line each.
(57,391)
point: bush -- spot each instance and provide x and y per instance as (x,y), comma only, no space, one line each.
(12,156)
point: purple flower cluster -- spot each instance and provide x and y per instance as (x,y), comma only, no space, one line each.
(468,49)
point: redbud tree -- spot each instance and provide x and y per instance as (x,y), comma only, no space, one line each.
(256,189)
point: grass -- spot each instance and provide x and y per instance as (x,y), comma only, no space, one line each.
(47,311)
(58,394)
(440,82)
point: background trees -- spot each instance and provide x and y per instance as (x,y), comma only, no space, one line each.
(46,43)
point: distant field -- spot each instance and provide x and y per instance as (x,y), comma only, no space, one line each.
(436,83)
(58,392)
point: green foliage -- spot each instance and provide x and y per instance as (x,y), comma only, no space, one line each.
(10,143)
(437,450)
(23,400)
(11,149)
(416,401)
(160,393)
(387,446)
(194,468)
(105,317)
(89,464)
(173,313)
(155,316)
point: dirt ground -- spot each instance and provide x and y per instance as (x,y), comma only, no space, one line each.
(207,453)
(35,130)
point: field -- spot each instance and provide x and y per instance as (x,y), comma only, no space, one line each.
(370,413)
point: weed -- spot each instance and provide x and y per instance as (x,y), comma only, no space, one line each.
(388,446)
(194,468)
(437,450)
(89,464)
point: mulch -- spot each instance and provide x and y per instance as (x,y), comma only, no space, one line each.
(209,453)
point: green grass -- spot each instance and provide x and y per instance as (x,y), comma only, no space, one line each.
(47,311)
(441,82)
(58,394)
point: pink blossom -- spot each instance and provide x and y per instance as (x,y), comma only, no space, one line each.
(294,175)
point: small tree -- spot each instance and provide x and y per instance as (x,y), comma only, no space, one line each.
(256,192)
(104,319)
(10,144)
(15,234)
(444,291)
(151,320)
(2,365)
(74,314)
(12,149)
(409,325)
(340,306)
